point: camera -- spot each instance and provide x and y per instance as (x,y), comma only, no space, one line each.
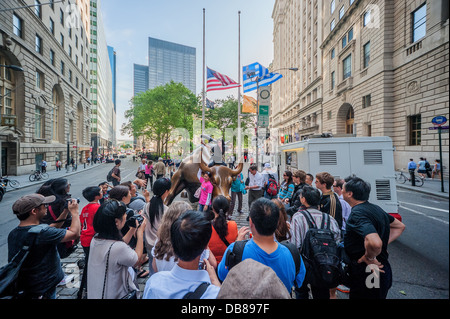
(70,199)
(131,220)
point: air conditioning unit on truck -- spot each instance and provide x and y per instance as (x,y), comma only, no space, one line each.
(369,158)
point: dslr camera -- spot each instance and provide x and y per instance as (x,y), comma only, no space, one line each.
(132,218)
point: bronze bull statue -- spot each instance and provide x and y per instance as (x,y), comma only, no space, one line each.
(186,177)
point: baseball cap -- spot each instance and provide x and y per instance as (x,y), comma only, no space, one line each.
(267,165)
(26,203)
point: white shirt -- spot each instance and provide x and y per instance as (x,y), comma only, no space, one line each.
(175,284)
(256,180)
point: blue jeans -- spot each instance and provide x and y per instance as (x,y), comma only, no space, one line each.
(201,207)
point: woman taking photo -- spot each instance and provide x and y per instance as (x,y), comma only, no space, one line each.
(110,258)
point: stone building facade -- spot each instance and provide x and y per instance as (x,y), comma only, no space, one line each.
(46,107)
(384,72)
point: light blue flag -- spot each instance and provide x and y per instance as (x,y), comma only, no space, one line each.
(256,71)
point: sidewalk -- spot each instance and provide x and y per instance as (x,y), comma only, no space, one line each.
(25,181)
(430,187)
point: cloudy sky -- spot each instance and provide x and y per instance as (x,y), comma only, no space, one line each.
(128,24)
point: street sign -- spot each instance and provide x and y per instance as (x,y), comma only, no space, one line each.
(264,110)
(435,128)
(439,120)
(263,121)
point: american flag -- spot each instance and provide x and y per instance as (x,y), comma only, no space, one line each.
(217,81)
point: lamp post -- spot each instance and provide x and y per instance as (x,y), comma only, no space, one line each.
(257,80)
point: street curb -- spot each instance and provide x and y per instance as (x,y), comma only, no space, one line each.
(424,191)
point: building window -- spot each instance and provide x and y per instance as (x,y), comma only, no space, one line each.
(17,26)
(415,129)
(333,53)
(344,41)
(61,16)
(419,26)
(40,80)
(350,121)
(37,8)
(7,89)
(38,122)
(350,34)
(366,49)
(70,76)
(366,101)
(55,111)
(333,80)
(63,67)
(341,12)
(38,46)
(332,6)
(61,40)
(52,57)
(332,25)
(347,67)
(366,19)
(52,26)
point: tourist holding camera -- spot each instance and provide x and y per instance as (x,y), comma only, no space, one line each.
(110,257)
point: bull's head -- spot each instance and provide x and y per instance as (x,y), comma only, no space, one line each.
(222,177)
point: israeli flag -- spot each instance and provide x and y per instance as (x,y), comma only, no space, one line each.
(254,73)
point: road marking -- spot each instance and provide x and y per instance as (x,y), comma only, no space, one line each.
(425,215)
(428,207)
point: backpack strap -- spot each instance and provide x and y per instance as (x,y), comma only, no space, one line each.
(295,255)
(309,219)
(234,256)
(198,293)
(325,221)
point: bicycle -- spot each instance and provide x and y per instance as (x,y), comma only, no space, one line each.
(38,175)
(400,177)
(11,182)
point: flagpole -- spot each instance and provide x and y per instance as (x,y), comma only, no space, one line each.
(204,68)
(239,152)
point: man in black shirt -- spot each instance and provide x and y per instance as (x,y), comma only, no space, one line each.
(369,230)
(41,271)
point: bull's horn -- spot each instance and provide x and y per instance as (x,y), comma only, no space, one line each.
(203,166)
(238,170)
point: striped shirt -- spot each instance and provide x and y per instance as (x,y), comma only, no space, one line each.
(286,191)
(299,226)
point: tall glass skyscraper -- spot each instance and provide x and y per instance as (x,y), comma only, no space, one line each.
(168,61)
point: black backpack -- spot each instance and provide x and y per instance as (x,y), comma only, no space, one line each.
(234,256)
(10,272)
(321,254)
(109,177)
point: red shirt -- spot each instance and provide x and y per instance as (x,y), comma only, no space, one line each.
(217,246)
(87,220)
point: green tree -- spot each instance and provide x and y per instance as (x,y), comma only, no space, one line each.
(157,112)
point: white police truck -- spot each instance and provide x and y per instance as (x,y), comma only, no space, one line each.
(369,158)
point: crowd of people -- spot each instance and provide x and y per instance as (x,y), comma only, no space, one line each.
(195,252)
